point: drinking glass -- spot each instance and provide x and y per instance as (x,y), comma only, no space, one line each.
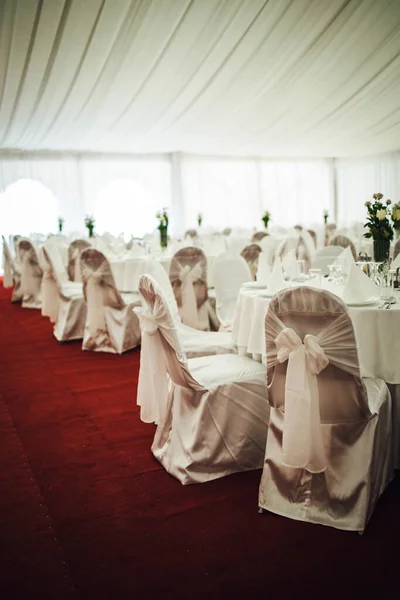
(386,281)
(300,270)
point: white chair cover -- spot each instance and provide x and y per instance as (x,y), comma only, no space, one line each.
(111,325)
(64,303)
(344,242)
(188,276)
(250,255)
(213,421)
(328,455)
(31,274)
(324,257)
(195,342)
(75,250)
(230,272)
(12,273)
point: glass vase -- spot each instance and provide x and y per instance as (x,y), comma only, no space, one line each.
(164,237)
(90,230)
(381,250)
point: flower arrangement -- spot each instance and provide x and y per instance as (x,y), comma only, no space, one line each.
(199,219)
(163,221)
(379,226)
(266,218)
(326,216)
(396,218)
(90,223)
(60,223)
(378,221)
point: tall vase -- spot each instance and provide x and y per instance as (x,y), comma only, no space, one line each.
(381,250)
(397,232)
(164,237)
(266,221)
(90,230)
(60,227)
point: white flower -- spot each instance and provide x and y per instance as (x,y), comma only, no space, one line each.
(381,214)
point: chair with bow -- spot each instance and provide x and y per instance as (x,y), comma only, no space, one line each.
(212,418)
(250,254)
(328,455)
(111,325)
(343,241)
(12,273)
(194,342)
(62,300)
(330,230)
(230,272)
(31,274)
(258,236)
(188,276)
(75,250)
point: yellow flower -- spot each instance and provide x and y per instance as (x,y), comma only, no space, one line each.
(396,215)
(381,214)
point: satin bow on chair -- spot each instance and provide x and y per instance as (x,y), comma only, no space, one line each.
(187,276)
(152,390)
(302,444)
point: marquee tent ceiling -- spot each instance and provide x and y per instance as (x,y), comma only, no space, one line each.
(223,77)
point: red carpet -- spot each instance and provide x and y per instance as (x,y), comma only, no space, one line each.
(87,512)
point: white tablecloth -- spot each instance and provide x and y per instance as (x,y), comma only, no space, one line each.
(127,272)
(377,334)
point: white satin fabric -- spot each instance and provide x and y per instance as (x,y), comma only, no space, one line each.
(75,250)
(64,302)
(250,254)
(111,325)
(31,274)
(12,273)
(188,275)
(324,257)
(329,448)
(214,419)
(230,272)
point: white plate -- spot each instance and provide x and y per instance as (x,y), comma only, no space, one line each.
(255,285)
(372,300)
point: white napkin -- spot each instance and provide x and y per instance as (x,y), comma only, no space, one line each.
(276,281)
(358,287)
(289,263)
(345,260)
(263,270)
(396,263)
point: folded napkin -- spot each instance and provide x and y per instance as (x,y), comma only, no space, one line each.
(358,287)
(396,263)
(263,270)
(276,282)
(345,260)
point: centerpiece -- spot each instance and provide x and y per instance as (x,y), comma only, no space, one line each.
(163,221)
(396,218)
(326,216)
(266,218)
(199,219)
(90,223)
(379,227)
(60,224)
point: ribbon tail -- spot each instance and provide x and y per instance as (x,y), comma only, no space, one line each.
(189,313)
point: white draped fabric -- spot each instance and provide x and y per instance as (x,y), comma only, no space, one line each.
(244,77)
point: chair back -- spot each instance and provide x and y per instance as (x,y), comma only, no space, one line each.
(324,257)
(230,271)
(9,266)
(258,236)
(313,372)
(250,254)
(343,241)
(74,258)
(188,276)
(53,256)
(99,288)
(31,271)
